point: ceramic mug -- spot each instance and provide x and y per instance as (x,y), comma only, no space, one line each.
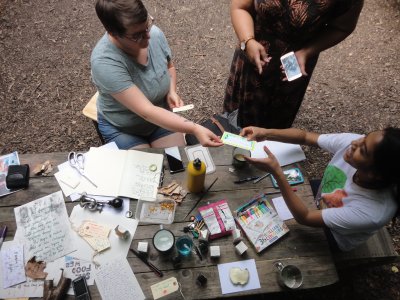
(184,245)
(289,276)
(238,160)
(163,241)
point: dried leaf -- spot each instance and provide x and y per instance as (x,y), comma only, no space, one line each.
(34,269)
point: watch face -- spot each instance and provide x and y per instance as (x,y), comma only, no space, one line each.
(243,46)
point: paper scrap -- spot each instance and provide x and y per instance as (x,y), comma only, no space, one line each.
(119,247)
(285,153)
(43,227)
(164,288)
(13,265)
(96,235)
(73,268)
(115,280)
(29,288)
(70,177)
(228,287)
(282,209)
(237,141)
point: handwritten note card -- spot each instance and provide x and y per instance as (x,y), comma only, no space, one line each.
(115,280)
(29,288)
(43,227)
(13,265)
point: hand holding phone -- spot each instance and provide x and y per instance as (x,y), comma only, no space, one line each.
(174,160)
(291,66)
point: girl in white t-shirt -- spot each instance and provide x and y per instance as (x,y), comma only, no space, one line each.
(360,189)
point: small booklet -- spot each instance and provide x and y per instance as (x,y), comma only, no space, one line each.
(260,222)
(218,218)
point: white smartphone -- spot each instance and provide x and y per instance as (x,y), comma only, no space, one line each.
(291,66)
(174,160)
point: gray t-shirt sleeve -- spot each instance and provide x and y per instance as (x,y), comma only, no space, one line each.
(164,46)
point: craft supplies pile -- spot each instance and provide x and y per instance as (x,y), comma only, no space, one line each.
(91,244)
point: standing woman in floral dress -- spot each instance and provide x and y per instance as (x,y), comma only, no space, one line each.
(268,29)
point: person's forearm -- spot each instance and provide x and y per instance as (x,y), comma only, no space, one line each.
(325,40)
(172,74)
(168,120)
(335,31)
(293,202)
(292,136)
(241,18)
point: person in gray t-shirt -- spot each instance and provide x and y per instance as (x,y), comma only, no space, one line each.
(136,80)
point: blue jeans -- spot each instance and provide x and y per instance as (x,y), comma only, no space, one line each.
(126,141)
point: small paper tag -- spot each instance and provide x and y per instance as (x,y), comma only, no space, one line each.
(183,108)
(164,288)
(237,141)
(96,235)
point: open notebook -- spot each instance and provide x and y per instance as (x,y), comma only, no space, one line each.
(125,173)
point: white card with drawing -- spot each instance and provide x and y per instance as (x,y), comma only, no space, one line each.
(238,141)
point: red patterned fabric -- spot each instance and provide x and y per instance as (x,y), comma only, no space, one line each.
(281,26)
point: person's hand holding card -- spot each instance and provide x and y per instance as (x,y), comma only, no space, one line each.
(237,141)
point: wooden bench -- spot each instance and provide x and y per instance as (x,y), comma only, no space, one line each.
(90,111)
(378,250)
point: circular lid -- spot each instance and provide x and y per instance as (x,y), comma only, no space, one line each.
(163,240)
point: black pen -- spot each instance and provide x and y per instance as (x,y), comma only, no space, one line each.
(246,179)
(149,264)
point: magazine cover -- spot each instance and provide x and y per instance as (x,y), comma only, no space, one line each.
(6,161)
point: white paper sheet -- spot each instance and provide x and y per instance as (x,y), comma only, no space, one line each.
(228,287)
(30,288)
(12,259)
(73,268)
(44,229)
(285,153)
(115,280)
(119,247)
(65,170)
(282,209)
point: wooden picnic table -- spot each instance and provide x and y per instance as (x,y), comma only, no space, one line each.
(303,246)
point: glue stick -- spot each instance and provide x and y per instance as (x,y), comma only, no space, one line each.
(196,173)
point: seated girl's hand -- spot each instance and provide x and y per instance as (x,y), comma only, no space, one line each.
(174,100)
(253,133)
(269,164)
(206,137)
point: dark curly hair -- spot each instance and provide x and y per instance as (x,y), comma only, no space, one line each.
(387,159)
(117,15)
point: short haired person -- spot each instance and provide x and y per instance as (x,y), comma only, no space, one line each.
(133,71)
(360,189)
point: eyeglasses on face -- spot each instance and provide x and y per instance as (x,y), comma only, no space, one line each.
(139,36)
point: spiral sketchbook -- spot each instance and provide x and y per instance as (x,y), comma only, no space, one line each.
(260,222)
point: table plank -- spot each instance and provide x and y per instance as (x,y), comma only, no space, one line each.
(303,246)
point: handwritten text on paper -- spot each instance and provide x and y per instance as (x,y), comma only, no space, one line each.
(44,228)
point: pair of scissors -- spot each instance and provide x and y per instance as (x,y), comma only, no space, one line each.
(77,161)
